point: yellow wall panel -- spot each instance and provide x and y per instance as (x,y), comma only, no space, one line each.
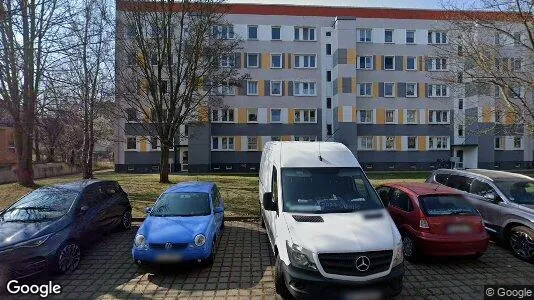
(291,116)
(285,138)
(286,88)
(400,116)
(351,56)
(398,143)
(339,85)
(203,113)
(380,115)
(143,144)
(354,114)
(510,118)
(375,89)
(421,143)
(260,144)
(242,115)
(378,61)
(486,114)
(261,87)
(237,143)
(422,91)
(266,60)
(340,113)
(353,85)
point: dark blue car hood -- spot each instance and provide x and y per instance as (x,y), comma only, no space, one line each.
(174,229)
(16,232)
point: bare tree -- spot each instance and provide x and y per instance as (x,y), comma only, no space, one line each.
(491,46)
(169,53)
(28,32)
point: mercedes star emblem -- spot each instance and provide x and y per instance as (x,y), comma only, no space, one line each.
(168,245)
(363,263)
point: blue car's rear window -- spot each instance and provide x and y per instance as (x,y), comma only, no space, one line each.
(182,205)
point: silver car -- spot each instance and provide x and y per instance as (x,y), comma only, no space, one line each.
(505,201)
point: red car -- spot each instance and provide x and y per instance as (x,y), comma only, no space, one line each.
(434,220)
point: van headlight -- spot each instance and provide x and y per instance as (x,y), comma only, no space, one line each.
(398,257)
(300,257)
(140,242)
(200,240)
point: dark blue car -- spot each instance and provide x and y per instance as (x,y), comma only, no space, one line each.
(183,225)
(46,229)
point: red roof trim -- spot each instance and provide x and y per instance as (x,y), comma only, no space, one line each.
(330,11)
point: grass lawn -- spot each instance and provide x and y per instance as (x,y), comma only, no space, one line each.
(240,192)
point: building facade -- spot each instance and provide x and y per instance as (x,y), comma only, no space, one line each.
(364,77)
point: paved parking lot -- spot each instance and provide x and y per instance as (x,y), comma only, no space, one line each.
(243,269)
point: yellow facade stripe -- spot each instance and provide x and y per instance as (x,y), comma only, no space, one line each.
(237,143)
(242,115)
(380,116)
(375,89)
(353,85)
(203,113)
(400,116)
(286,88)
(291,116)
(340,113)
(398,143)
(288,59)
(351,56)
(260,144)
(143,144)
(266,60)
(285,138)
(421,143)
(427,113)
(261,87)
(422,90)
(378,62)
(510,118)
(340,85)
(378,142)
(486,114)
(354,114)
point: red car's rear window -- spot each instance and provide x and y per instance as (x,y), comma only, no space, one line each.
(446,205)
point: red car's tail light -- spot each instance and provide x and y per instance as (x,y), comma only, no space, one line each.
(423,224)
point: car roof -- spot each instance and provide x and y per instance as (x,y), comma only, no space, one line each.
(313,154)
(191,186)
(492,175)
(423,188)
(79,185)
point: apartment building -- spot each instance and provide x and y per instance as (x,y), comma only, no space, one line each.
(7,146)
(359,76)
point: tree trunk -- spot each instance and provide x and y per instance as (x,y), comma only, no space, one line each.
(51,154)
(164,164)
(36,146)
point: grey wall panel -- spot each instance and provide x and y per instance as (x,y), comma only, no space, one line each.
(398,129)
(266,129)
(267,89)
(346,133)
(347,82)
(401,89)
(199,144)
(401,157)
(485,147)
(399,63)
(144,158)
(222,157)
(509,155)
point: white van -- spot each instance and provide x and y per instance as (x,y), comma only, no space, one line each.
(328,229)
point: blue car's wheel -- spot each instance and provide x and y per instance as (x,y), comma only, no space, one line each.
(209,260)
(68,257)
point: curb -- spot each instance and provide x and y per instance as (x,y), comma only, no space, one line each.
(226,218)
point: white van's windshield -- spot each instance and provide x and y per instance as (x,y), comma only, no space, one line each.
(327,190)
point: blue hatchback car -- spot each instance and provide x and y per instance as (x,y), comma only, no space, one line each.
(183,225)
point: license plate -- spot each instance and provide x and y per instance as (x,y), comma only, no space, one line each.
(168,258)
(459,228)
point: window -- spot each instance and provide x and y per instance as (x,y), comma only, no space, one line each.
(328,103)
(224,143)
(252,88)
(226,89)
(390,143)
(227,60)
(328,33)
(437,90)
(498,39)
(498,143)
(389,62)
(401,201)
(437,37)
(186,130)
(365,62)
(252,32)
(364,35)
(131,143)
(411,116)
(131,115)
(438,117)
(305,138)
(365,89)
(438,143)
(518,142)
(304,88)
(390,116)
(388,89)
(412,143)
(460,104)
(460,130)
(304,34)
(329,76)
(461,183)
(328,49)
(252,143)
(366,116)
(154,143)
(480,188)
(305,61)
(276,88)
(460,77)
(252,115)
(411,63)
(438,64)
(388,35)
(328,129)
(276,61)
(517,38)
(274,186)
(275,138)
(253,60)
(222,115)
(516,64)
(411,89)
(275,33)
(410,36)
(305,116)
(498,116)
(276,115)
(441,178)
(365,143)
(224,32)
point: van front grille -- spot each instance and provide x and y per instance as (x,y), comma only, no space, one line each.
(346,263)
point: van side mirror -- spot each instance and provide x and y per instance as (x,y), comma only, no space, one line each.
(268,203)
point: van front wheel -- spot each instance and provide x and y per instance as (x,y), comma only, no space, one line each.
(279,282)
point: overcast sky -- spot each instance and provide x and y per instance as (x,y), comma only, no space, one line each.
(432,4)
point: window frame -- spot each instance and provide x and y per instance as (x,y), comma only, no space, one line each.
(432,90)
(280,57)
(271,88)
(128,141)
(257,66)
(386,35)
(416,92)
(279,33)
(406,38)
(255,143)
(414,63)
(366,66)
(434,113)
(221,144)
(434,141)
(248,32)
(249,114)
(392,95)
(416,146)
(369,114)
(271,115)
(393,62)
(297,64)
(302,111)
(368,36)
(366,139)
(416,112)
(221,113)
(257,88)
(358,86)
(298,92)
